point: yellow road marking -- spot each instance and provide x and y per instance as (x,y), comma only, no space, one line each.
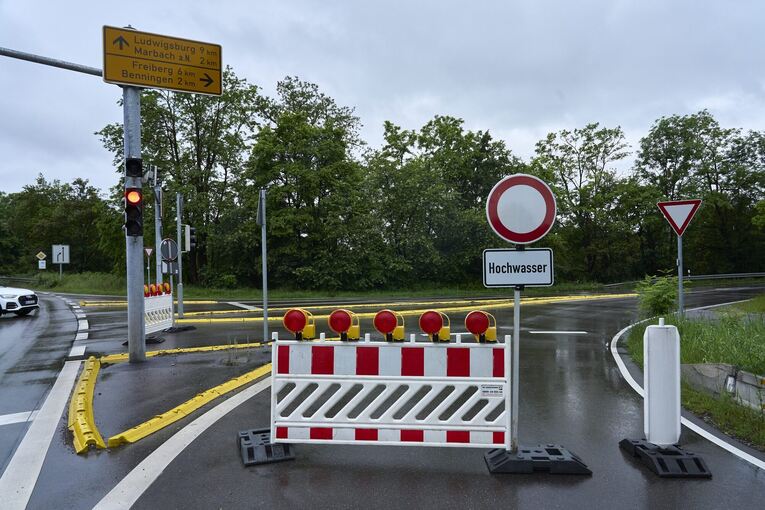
(163,420)
(369,315)
(118,358)
(81,420)
(124,303)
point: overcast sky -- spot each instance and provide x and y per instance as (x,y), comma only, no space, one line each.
(518,69)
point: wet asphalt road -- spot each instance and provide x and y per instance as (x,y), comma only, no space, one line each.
(571,393)
(32,352)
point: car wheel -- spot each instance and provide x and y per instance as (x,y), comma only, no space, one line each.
(22,313)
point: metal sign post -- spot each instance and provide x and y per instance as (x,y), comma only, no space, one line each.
(261,220)
(679,214)
(158,222)
(521,209)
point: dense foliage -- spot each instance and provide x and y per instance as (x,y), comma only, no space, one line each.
(410,213)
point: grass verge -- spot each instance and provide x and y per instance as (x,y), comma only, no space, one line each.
(731,339)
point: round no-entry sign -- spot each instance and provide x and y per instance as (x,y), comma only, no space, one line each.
(521,209)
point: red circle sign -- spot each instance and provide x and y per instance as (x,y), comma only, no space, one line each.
(385,321)
(521,209)
(477,322)
(431,322)
(340,321)
(294,320)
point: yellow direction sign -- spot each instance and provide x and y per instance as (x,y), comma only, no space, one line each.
(157,61)
(40,255)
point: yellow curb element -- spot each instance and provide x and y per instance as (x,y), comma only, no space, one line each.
(81,420)
(369,315)
(124,303)
(118,358)
(163,420)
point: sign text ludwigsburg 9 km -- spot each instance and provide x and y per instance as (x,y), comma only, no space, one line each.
(157,61)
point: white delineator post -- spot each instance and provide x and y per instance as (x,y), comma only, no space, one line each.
(661,408)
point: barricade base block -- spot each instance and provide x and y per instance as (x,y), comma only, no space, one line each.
(256,448)
(667,462)
(550,458)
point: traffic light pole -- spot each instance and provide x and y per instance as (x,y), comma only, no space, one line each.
(131,97)
(178,213)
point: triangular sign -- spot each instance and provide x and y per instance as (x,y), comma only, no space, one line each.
(148,251)
(679,213)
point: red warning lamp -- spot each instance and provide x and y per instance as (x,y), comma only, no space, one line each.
(482,325)
(390,324)
(436,325)
(146,291)
(167,288)
(300,323)
(346,323)
(152,290)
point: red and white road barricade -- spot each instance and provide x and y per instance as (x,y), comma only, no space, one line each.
(158,307)
(407,393)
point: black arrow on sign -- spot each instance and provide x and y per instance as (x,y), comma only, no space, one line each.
(121,41)
(207,80)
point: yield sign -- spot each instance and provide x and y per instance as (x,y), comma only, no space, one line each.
(148,251)
(679,213)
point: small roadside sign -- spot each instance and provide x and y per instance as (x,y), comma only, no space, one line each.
(170,267)
(148,251)
(41,264)
(60,254)
(509,267)
(169,250)
(521,209)
(159,61)
(679,213)
(40,255)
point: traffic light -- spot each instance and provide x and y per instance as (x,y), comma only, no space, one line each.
(190,235)
(133,212)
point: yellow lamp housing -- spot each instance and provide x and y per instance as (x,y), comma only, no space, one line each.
(491,333)
(444,334)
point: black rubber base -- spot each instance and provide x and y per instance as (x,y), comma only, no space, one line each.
(179,329)
(667,462)
(551,458)
(257,448)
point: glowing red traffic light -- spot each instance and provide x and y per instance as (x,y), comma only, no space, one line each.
(385,321)
(340,321)
(133,197)
(431,322)
(294,320)
(477,322)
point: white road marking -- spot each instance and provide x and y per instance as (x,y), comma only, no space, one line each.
(698,430)
(78,350)
(544,332)
(129,489)
(81,336)
(20,476)
(242,305)
(7,419)
(82,325)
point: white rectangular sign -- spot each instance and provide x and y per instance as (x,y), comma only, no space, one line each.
(508,268)
(60,254)
(41,264)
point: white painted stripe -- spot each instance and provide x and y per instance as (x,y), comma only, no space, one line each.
(298,433)
(79,315)
(434,436)
(343,434)
(300,359)
(551,332)
(20,476)
(78,350)
(435,363)
(389,435)
(698,430)
(82,325)
(242,305)
(81,336)
(129,489)
(8,419)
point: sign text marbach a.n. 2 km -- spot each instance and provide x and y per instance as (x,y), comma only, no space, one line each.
(157,61)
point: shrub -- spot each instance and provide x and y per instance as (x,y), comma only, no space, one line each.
(657,295)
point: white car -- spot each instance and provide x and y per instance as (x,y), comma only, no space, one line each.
(18,301)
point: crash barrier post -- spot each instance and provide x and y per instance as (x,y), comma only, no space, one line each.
(661,409)
(158,307)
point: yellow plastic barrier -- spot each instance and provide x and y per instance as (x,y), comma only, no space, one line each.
(81,420)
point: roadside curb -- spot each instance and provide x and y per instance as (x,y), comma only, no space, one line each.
(715,436)
(81,419)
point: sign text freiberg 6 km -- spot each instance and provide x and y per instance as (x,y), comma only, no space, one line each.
(157,61)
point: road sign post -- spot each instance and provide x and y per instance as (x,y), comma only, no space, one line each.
(521,209)
(679,214)
(261,220)
(178,213)
(157,222)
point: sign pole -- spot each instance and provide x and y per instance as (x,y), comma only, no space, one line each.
(680,307)
(158,223)
(178,213)
(516,363)
(148,268)
(264,257)
(131,97)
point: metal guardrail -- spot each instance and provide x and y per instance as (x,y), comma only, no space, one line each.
(731,276)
